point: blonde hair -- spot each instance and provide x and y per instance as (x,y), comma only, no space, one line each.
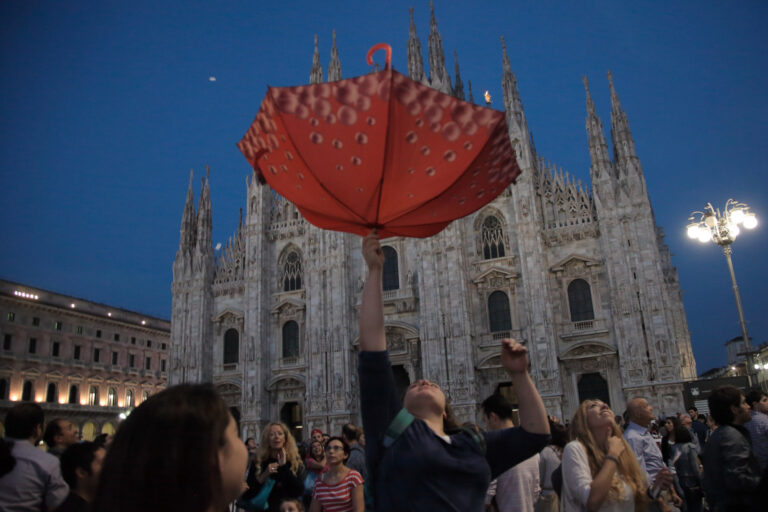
(628,466)
(291,451)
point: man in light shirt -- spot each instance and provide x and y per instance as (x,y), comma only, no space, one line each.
(518,488)
(644,445)
(35,482)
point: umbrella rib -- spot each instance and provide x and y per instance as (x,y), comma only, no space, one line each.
(386,148)
(438,196)
(319,181)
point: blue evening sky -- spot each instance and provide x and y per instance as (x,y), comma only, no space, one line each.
(106,105)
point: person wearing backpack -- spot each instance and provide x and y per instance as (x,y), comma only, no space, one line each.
(415,460)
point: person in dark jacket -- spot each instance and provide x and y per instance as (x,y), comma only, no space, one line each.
(423,464)
(731,472)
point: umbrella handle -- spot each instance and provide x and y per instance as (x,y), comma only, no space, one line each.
(377,47)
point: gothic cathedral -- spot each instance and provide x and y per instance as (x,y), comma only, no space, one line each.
(581,276)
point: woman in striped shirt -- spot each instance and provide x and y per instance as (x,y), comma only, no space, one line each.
(339,489)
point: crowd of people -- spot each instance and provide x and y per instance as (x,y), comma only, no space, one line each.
(180,450)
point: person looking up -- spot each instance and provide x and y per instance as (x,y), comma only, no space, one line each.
(278,459)
(30,479)
(178,450)
(340,489)
(758,425)
(731,471)
(59,435)
(356,461)
(600,471)
(81,466)
(639,438)
(424,462)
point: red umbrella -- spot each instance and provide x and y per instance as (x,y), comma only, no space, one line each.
(380,151)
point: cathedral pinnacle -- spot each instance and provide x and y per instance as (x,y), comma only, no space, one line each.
(598,148)
(204,221)
(471,98)
(415,62)
(621,135)
(458,89)
(316,73)
(188,227)
(438,76)
(512,103)
(334,68)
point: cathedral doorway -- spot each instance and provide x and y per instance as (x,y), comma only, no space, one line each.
(290,414)
(593,386)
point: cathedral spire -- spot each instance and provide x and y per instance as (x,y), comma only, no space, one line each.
(188,228)
(458,89)
(438,76)
(598,148)
(334,68)
(415,62)
(512,103)
(621,135)
(316,73)
(471,98)
(204,221)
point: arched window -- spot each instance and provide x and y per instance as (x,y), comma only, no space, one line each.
(26,391)
(50,395)
(93,395)
(112,397)
(231,346)
(291,272)
(129,398)
(3,389)
(290,339)
(145,396)
(499,317)
(391,275)
(73,394)
(580,300)
(493,238)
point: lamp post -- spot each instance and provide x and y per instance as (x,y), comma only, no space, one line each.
(722,228)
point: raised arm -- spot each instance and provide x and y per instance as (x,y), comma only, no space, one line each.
(533,415)
(371,321)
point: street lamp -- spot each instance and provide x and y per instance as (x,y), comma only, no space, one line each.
(722,228)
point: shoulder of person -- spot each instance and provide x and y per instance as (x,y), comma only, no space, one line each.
(354,475)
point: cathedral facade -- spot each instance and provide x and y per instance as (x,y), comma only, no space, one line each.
(579,274)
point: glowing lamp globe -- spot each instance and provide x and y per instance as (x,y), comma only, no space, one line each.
(750,221)
(704,236)
(693,230)
(737,215)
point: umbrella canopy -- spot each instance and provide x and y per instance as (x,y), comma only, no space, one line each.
(380,151)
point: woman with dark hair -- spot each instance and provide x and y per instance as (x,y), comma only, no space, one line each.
(731,471)
(415,461)
(685,459)
(316,462)
(549,460)
(340,489)
(179,450)
(668,441)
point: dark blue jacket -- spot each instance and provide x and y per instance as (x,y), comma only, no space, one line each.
(420,471)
